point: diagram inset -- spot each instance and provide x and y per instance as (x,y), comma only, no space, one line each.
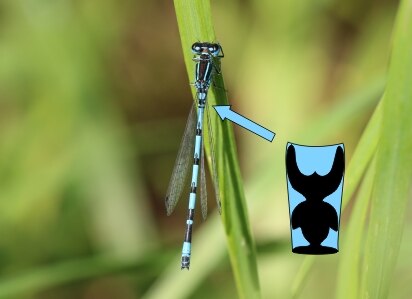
(315,182)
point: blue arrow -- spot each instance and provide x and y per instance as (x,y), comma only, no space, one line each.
(224,112)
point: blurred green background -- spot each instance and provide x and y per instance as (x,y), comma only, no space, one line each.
(93,101)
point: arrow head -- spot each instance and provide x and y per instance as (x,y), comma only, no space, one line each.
(222,110)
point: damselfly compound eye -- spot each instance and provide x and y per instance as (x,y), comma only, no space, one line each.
(196,48)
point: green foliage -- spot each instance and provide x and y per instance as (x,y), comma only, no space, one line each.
(393,176)
(349,263)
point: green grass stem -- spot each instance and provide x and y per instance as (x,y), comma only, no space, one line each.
(393,176)
(195,23)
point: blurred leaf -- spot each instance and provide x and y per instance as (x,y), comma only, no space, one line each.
(64,137)
(393,176)
(70,271)
(352,105)
(353,235)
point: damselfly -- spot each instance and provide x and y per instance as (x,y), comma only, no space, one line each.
(206,58)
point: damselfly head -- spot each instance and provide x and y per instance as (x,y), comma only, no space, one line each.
(210,48)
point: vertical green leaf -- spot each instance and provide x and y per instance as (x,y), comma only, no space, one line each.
(350,256)
(394,165)
(195,23)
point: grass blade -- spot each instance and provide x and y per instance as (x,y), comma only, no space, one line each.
(394,165)
(195,23)
(350,257)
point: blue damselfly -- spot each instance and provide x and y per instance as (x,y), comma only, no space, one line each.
(206,58)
